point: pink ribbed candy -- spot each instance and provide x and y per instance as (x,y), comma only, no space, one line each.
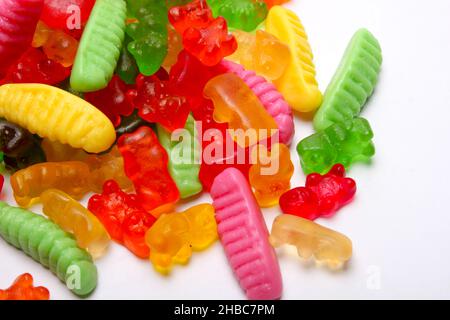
(269,96)
(18,20)
(244,236)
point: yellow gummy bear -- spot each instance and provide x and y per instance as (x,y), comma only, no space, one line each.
(312,240)
(58,115)
(174,236)
(298,84)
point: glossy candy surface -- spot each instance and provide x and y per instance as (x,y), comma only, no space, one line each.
(353,82)
(23,289)
(298,83)
(100,46)
(72,217)
(322,196)
(48,244)
(345,143)
(146,164)
(71,177)
(271,174)
(244,236)
(184,153)
(56,114)
(18,22)
(123,217)
(312,240)
(195,14)
(175,235)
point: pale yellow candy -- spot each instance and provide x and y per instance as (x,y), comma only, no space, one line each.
(298,84)
(312,240)
(58,115)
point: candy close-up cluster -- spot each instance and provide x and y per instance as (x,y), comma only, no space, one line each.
(121,117)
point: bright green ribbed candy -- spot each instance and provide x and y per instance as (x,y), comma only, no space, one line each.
(100,46)
(353,82)
(48,244)
(345,143)
(184,166)
(244,15)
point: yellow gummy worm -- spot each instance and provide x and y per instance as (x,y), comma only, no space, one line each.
(58,115)
(298,84)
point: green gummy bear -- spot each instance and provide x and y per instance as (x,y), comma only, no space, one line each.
(48,244)
(149,33)
(345,143)
(185,174)
(353,82)
(100,46)
(126,67)
(244,15)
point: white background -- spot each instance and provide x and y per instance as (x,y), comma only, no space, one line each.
(400,220)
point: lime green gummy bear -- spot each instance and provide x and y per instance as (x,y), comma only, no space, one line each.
(48,244)
(100,46)
(353,82)
(345,143)
(183,154)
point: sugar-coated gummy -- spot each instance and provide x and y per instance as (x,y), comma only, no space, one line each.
(100,46)
(58,115)
(183,167)
(244,236)
(353,82)
(48,244)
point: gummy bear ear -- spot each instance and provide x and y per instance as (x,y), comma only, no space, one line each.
(338,170)
(313,179)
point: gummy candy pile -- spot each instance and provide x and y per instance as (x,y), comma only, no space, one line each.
(140,103)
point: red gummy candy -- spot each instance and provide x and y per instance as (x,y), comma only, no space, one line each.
(322,196)
(35,67)
(66,14)
(210,44)
(2,181)
(112,100)
(145,162)
(23,289)
(158,103)
(196,14)
(18,20)
(123,217)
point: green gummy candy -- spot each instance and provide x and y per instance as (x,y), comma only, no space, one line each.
(48,244)
(184,174)
(345,143)
(126,67)
(244,15)
(100,46)
(353,82)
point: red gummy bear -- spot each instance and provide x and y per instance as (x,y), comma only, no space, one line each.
(196,14)
(2,181)
(67,15)
(112,100)
(145,162)
(158,103)
(23,289)
(210,44)
(322,196)
(35,67)
(123,217)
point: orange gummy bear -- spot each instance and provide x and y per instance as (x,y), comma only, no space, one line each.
(22,289)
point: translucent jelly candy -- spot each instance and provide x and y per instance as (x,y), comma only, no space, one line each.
(312,240)
(175,46)
(271,174)
(127,68)
(23,289)
(72,217)
(353,83)
(48,244)
(344,143)
(196,14)
(271,3)
(175,235)
(321,196)
(123,217)
(146,164)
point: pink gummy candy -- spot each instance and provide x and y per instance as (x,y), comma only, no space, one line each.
(244,236)
(269,96)
(18,20)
